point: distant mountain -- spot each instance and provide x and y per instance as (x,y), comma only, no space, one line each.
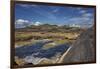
(48,28)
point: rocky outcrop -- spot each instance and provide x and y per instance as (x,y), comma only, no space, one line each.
(83,50)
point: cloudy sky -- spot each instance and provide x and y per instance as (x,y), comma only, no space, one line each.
(26,14)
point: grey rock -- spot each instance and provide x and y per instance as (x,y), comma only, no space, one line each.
(83,50)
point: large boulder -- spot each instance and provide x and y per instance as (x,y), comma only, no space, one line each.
(83,50)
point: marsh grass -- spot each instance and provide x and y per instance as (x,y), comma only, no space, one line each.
(57,42)
(25,39)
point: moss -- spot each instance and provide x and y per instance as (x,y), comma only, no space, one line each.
(55,43)
(25,43)
(49,45)
(61,41)
(28,38)
(23,37)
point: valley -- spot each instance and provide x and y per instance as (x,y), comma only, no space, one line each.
(42,44)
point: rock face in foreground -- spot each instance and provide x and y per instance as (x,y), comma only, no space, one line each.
(83,50)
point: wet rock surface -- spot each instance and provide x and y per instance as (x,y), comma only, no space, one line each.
(83,50)
(35,54)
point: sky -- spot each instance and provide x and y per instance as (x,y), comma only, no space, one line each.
(28,14)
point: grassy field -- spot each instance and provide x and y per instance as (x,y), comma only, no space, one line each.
(59,34)
(27,38)
(31,35)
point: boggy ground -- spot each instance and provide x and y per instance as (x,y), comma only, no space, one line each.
(25,38)
(30,37)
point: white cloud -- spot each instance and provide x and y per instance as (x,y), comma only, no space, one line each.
(78,8)
(55,10)
(64,17)
(80,20)
(82,11)
(20,23)
(27,5)
(23,5)
(37,23)
(87,15)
